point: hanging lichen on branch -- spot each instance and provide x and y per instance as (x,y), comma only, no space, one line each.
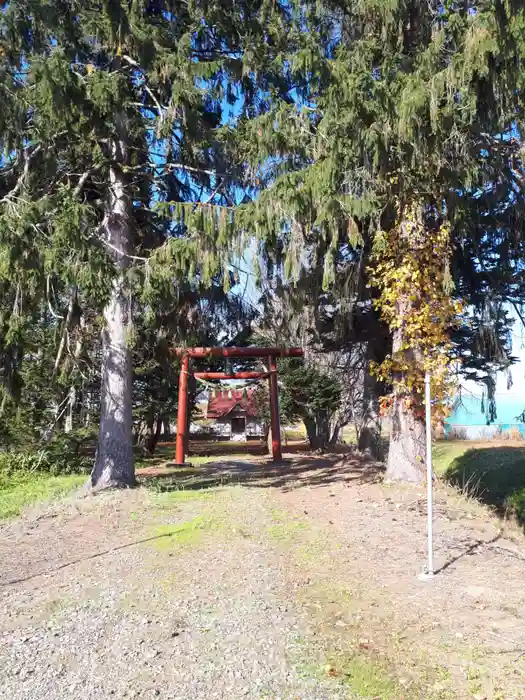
(411,271)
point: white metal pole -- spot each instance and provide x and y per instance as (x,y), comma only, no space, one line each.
(430,519)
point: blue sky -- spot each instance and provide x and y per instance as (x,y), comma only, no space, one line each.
(510,400)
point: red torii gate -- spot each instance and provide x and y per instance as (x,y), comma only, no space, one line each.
(271,353)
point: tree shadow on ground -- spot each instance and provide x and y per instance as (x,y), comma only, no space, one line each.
(223,448)
(298,472)
(493,475)
(206,448)
(80,560)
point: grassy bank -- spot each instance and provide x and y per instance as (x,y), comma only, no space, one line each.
(494,473)
(22,489)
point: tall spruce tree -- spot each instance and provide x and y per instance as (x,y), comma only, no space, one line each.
(402,144)
(115,177)
(340,334)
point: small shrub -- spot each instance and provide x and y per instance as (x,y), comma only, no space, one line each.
(49,461)
(516,505)
(81,441)
(512,435)
(457,433)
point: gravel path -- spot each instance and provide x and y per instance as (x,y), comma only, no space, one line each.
(297,584)
(211,617)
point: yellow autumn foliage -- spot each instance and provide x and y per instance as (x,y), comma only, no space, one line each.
(410,270)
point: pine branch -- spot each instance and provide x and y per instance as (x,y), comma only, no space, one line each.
(23,176)
(136,65)
(211,196)
(51,310)
(126,255)
(65,331)
(82,181)
(187,168)
(47,433)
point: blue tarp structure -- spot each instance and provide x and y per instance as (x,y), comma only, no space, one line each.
(468,420)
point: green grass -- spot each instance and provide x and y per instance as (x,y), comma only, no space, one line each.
(302,542)
(295,433)
(198,459)
(162,454)
(348,435)
(18,491)
(445,452)
(165,455)
(367,679)
(493,474)
(166,500)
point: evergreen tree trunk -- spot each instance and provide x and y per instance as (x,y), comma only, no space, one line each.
(406,454)
(155,435)
(324,431)
(269,441)
(311,432)
(114,462)
(317,432)
(73,394)
(82,398)
(369,441)
(87,403)
(72,401)
(3,404)
(150,431)
(166,430)
(407,450)
(145,434)
(335,433)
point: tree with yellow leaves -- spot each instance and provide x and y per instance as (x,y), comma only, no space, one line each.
(410,268)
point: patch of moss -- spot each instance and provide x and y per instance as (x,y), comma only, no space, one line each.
(312,550)
(284,533)
(186,534)
(330,592)
(168,499)
(285,528)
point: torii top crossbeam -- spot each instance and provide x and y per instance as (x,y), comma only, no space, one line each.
(239,352)
(200,353)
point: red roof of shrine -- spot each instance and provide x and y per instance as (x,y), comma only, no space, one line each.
(226,400)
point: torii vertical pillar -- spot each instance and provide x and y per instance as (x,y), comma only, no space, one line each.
(275,421)
(182,411)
